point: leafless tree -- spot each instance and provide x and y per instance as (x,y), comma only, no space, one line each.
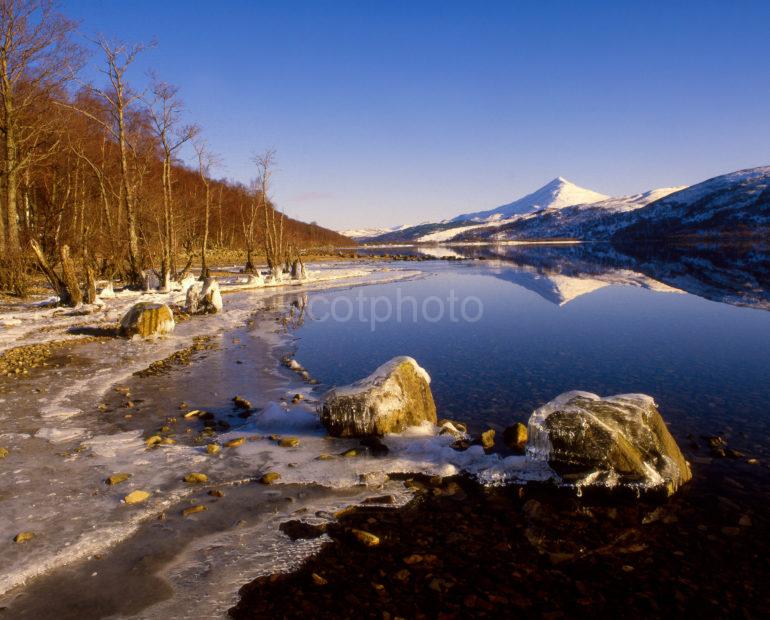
(119,97)
(37,56)
(273,237)
(206,162)
(166,110)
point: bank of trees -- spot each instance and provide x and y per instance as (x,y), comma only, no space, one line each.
(90,173)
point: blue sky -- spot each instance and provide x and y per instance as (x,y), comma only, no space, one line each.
(385,113)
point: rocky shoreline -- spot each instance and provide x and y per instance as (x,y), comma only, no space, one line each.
(463,550)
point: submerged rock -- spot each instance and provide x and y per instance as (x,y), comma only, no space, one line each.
(393,397)
(618,440)
(147,319)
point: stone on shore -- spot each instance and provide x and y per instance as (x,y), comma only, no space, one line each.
(117,478)
(614,441)
(395,396)
(23,537)
(147,319)
(270,477)
(366,538)
(515,437)
(136,497)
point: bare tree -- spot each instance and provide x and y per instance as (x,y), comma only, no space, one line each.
(37,56)
(206,161)
(119,97)
(166,112)
(273,239)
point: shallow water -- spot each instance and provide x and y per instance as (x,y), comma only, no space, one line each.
(549,326)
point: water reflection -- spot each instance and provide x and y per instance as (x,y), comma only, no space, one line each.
(732,274)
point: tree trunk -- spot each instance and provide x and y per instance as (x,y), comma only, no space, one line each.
(69,279)
(90,289)
(135,275)
(204,265)
(11,191)
(65,286)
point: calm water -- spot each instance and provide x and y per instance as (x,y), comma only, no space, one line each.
(558,319)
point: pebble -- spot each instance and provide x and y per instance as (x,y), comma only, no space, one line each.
(136,497)
(196,478)
(4,453)
(23,537)
(366,538)
(234,443)
(117,478)
(192,510)
(241,403)
(488,439)
(213,448)
(270,477)
(318,580)
(289,442)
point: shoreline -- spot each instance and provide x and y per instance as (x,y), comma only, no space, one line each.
(461,549)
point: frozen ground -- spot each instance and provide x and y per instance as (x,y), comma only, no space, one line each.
(85,416)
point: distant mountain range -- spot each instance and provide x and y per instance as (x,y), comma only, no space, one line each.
(735,204)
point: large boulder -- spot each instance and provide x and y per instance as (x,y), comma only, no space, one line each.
(393,397)
(205,298)
(147,319)
(615,441)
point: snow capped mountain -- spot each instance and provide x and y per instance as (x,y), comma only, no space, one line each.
(361,234)
(557,194)
(566,222)
(735,204)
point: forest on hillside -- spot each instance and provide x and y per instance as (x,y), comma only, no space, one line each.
(92,181)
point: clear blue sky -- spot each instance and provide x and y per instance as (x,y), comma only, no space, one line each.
(395,112)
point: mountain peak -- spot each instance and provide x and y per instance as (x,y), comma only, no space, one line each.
(555,194)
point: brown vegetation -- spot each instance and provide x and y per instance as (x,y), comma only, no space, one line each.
(93,171)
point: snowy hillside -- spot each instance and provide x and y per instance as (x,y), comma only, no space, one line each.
(735,204)
(557,194)
(364,233)
(367,234)
(567,222)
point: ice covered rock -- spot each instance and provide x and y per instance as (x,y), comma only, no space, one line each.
(393,397)
(618,440)
(107,292)
(186,282)
(147,319)
(205,298)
